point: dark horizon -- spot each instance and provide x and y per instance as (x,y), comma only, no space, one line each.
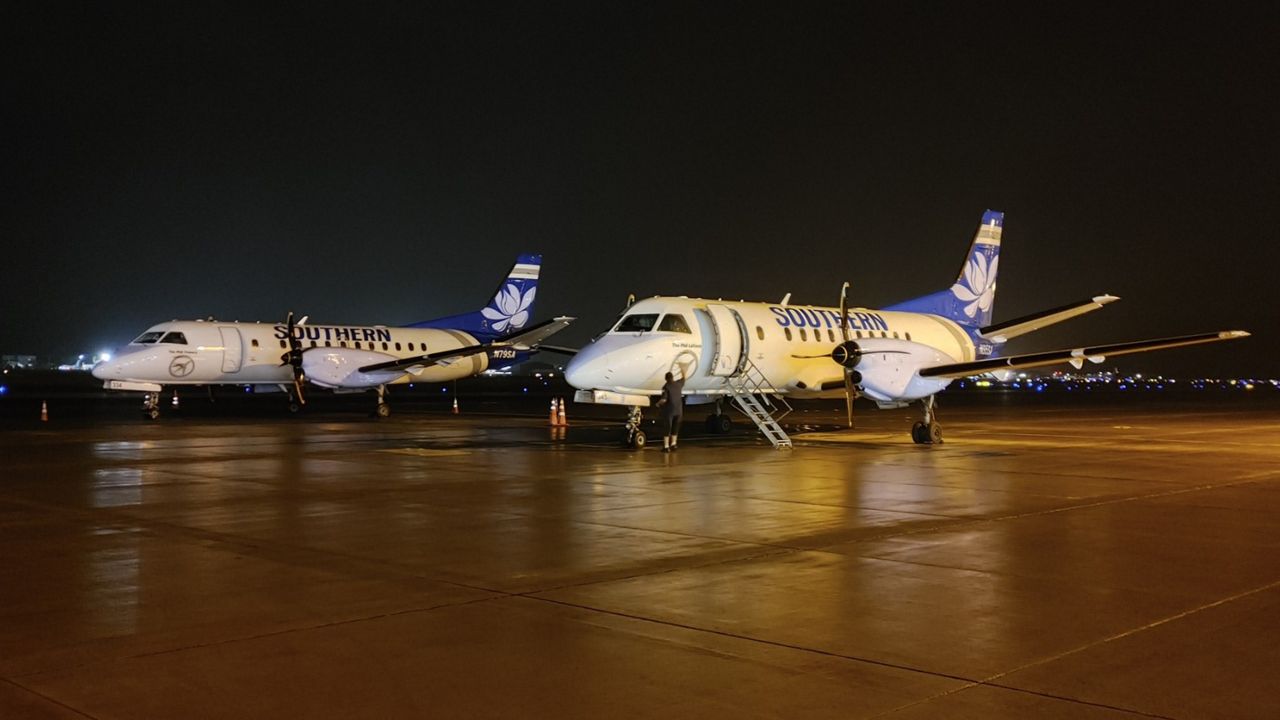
(388,168)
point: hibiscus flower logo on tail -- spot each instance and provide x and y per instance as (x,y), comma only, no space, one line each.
(510,308)
(978,287)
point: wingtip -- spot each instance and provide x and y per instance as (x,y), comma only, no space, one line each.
(1234,334)
(1105,298)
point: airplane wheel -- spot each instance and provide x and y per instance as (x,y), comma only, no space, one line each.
(384,410)
(722,423)
(934,434)
(294,407)
(152,413)
(918,433)
(637,440)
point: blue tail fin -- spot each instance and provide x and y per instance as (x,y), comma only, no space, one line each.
(972,299)
(508,311)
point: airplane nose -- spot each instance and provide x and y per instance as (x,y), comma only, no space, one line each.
(585,369)
(102,370)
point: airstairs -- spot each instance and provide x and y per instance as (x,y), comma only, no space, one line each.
(756,398)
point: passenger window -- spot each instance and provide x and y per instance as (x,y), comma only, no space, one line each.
(908,336)
(787,332)
(342,343)
(254,342)
(313,343)
(831,335)
(410,347)
(674,323)
(397,347)
(283,345)
(759,332)
(328,343)
(384,346)
(895,334)
(803,335)
(358,345)
(857,334)
(174,338)
(636,323)
(147,338)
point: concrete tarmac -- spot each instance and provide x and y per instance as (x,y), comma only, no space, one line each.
(1048,561)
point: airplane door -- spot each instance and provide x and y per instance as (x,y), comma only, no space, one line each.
(232,349)
(730,340)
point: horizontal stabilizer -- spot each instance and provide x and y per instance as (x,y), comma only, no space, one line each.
(1075,357)
(524,340)
(1000,332)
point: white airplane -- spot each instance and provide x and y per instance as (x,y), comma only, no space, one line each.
(342,358)
(755,352)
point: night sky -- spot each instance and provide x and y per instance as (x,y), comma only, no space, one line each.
(387,166)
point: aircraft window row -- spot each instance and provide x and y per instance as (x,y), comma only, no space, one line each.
(673,322)
(637,323)
(147,338)
(174,338)
(284,345)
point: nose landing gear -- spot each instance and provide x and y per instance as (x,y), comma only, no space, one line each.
(151,405)
(383,409)
(927,431)
(635,438)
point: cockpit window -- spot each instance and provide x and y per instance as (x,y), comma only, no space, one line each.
(174,338)
(672,322)
(148,337)
(636,323)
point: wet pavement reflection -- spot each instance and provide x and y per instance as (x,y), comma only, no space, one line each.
(1075,563)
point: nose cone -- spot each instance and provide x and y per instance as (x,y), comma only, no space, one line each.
(103,369)
(587,369)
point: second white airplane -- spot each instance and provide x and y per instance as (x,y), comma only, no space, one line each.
(755,353)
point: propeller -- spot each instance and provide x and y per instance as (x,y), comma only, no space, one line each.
(847,354)
(293,356)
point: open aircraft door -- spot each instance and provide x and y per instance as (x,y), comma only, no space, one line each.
(731,338)
(232,349)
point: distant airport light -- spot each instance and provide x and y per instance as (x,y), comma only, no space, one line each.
(104,356)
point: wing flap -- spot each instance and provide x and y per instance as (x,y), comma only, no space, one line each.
(1000,332)
(1075,356)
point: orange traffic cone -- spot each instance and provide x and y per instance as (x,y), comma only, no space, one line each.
(455,406)
(553,420)
(561,420)
(44,411)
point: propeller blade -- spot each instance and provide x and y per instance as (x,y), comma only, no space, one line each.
(844,311)
(850,393)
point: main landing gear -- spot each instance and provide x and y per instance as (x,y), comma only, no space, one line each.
(383,409)
(151,405)
(927,431)
(635,438)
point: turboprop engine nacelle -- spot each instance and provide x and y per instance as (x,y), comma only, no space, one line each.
(888,370)
(340,368)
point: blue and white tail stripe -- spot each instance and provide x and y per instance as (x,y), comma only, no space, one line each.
(508,311)
(970,301)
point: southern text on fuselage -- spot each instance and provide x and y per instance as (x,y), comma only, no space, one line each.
(822,317)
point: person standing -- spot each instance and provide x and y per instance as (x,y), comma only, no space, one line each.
(672,404)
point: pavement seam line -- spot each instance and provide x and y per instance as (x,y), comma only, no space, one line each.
(42,696)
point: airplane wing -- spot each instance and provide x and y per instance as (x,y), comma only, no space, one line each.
(1075,357)
(524,340)
(558,349)
(1001,332)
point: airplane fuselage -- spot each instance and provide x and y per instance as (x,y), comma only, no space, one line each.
(209,352)
(790,345)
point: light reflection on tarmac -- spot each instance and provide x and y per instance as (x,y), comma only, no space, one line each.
(1063,562)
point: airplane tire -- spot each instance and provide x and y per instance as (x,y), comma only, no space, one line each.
(153,413)
(637,440)
(384,410)
(718,424)
(918,433)
(934,434)
(294,407)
